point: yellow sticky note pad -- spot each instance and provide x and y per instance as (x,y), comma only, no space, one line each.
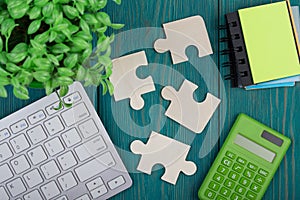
(270,42)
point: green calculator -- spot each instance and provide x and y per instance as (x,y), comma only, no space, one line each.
(246,163)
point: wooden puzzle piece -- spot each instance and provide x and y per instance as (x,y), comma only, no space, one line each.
(168,152)
(185,110)
(125,81)
(183,33)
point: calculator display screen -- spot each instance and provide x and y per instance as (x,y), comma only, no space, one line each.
(254,148)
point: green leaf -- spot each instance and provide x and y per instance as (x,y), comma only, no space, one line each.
(104,87)
(80,43)
(21,92)
(34,13)
(16,57)
(53,36)
(19,11)
(86,53)
(60,38)
(80,7)
(84,26)
(27,63)
(63,71)
(103,18)
(34,26)
(64,1)
(21,47)
(42,63)
(3,72)
(48,9)
(15,82)
(1,44)
(60,48)
(90,18)
(73,28)
(84,35)
(48,87)
(110,87)
(80,75)
(3,59)
(102,46)
(117,26)
(6,25)
(3,15)
(25,77)
(4,81)
(70,11)
(42,38)
(11,67)
(3,92)
(64,80)
(40,3)
(28,1)
(37,46)
(101,4)
(117,1)
(60,27)
(63,91)
(41,76)
(101,29)
(67,33)
(53,59)
(71,60)
(60,57)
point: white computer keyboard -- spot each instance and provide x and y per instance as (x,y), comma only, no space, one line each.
(61,154)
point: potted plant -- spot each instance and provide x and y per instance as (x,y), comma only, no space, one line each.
(48,44)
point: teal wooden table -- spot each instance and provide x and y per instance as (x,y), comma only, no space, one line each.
(277,108)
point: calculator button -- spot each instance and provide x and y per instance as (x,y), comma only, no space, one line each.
(245,182)
(250,195)
(241,161)
(240,190)
(225,192)
(234,176)
(218,178)
(263,172)
(227,162)
(230,155)
(238,168)
(223,170)
(214,186)
(252,166)
(210,194)
(254,187)
(230,184)
(248,174)
(234,196)
(259,179)
(220,198)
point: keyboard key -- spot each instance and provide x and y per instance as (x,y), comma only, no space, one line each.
(238,168)
(62,198)
(75,114)
(252,166)
(67,160)
(234,176)
(67,181)
(19,143)
(248,174)
(19,126)
(37,155)
(99,191)
(235,196)
(5,152)
(88,128)
(227,162)
(214,186)
(241,161)
(220,198)
(256,188)
(230,155)
(94,184)
(50,190)
(72,98)
(210,194)
(5,173)
(225,192)
(34,195)
(20,164)
(259,179)
(219,178)
(229,183)
(71,137)
(116,182)
(90,148)
(16,187)
(83,197)
(95,166)
(36,134)
(240,190)
(51,109)
(223,170)
(3,194)
(263,172)
(50,169)
(245,182)
(54,125)
(54,146)
(33,178)
(4,134)
(36,117)
(251,195)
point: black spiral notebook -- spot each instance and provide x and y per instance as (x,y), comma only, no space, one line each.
(263,44)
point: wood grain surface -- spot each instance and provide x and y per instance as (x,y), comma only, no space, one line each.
(277,108)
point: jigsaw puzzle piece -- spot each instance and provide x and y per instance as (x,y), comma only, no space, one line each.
(168,152)
(125,81)
(181,34)
(185,110)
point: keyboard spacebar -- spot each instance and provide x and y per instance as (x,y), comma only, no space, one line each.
(95,166)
